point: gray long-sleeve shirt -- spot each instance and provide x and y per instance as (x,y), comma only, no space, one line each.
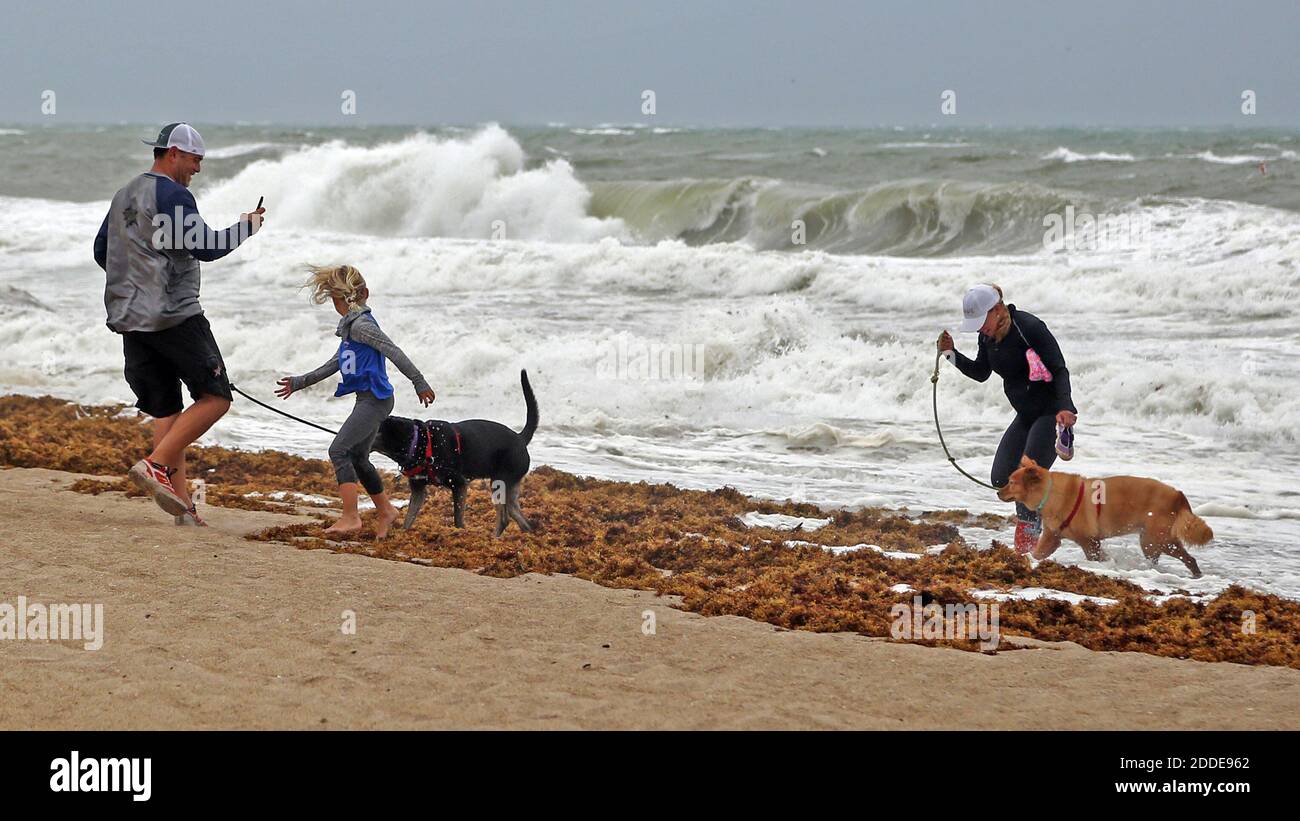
(150,245)
(359,326)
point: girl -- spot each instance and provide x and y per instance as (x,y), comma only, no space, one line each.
(360,359)
(1017,346)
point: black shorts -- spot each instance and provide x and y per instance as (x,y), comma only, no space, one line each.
(157,362)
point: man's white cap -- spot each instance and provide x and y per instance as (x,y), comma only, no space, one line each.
(977,303)
(179,135)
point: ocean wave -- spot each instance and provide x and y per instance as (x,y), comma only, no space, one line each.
(1236,512)
(1239,159)
(481,186)
(926,145)
(822,436)
(1064,154)
(14,300)
(240,150)
(906,218)
(472,187)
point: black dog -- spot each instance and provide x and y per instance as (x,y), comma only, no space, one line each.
(454,454)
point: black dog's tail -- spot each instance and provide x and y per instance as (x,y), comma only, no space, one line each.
(531,401)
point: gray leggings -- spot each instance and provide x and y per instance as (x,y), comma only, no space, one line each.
(350,450)
(1035,438)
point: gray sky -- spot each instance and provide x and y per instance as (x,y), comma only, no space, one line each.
(710,62)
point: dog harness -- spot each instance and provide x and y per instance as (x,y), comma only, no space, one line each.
(428,440)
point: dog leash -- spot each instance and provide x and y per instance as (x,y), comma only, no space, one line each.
(934,381)
(277,410)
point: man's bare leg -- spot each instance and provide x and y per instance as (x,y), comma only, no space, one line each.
(183,430)
(160,428)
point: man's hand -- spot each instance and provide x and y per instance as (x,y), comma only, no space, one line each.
(1066,418)
(254,218)
(426,398)
(945,342)
(284,390)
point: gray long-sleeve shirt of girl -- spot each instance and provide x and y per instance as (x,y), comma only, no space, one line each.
(360,327)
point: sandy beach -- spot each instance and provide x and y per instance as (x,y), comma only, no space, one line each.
(205,629)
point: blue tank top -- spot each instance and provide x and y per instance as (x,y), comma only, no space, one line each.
(363,369)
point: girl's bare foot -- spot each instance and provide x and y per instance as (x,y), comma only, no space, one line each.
(385,520)
(344,526)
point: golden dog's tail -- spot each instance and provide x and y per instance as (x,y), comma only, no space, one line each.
(1190,528)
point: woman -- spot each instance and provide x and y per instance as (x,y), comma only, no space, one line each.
(1018,347)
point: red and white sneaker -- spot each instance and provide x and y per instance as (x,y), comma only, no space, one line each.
(1027,534)
(191,518)
(156,481)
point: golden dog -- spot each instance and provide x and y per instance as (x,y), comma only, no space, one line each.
(1086,511)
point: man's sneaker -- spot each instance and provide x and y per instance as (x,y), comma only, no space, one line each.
(191,518)
(1065,442)
(156,481)
(1027,534)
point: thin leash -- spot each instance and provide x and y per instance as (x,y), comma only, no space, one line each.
(934,381)
(282,413)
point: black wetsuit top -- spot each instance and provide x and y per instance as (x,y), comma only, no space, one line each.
(1007,360)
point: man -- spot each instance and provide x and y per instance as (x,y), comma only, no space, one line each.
(150,246)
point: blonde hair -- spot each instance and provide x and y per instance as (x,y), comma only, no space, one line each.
(997,288)
(341,281)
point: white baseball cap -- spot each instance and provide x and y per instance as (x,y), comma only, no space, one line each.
(977,303)
(179,135)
